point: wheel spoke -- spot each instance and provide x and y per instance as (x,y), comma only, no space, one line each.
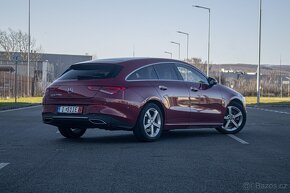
(148,115)
(227,124)
(235,124)
(226,117)
(147,125)
(156,125)
(230,110)
(155,115)
(152,131)
(237,115)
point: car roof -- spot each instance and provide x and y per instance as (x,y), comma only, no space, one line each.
(132,62)
(124,61)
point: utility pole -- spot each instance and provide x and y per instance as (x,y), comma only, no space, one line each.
(187,40)
(176,43)
(220,78)
(281,79)
(28,55)
(170,53)
(208,42)
(259,45)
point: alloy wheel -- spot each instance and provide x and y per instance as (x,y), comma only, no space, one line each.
(233,118)
(152,122)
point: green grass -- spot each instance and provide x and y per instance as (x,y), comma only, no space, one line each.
(21,102)
(269,100)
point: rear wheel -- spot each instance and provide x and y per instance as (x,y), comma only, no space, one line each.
(150,123)
(234,119)
(72,132)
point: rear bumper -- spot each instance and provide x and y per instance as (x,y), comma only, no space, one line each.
(86,121)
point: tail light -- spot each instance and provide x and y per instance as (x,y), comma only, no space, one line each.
(50,89)
(111,89)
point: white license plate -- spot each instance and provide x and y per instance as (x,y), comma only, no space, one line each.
(70,109)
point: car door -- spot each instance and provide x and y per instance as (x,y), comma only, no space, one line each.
(174,94)
(205,100)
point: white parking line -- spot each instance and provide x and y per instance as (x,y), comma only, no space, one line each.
(238,139)
(23,108)
(269,110)
(2,165)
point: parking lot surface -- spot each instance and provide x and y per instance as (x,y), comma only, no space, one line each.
(34,157)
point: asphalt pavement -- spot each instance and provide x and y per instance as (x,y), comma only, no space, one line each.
(34,158)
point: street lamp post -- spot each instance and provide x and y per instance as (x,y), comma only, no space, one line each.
(187,36)
(208,44)
(281,78)
(178,48)
(259,50)
(170,53)
(28,55)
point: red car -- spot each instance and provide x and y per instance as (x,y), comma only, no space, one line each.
(143,95)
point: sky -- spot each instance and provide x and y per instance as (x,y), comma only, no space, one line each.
(113,28)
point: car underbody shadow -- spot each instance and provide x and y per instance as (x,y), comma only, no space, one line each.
(127,137)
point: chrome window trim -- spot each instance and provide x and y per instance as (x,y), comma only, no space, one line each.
(147,65)
(188,65)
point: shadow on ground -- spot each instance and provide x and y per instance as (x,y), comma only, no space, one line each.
(128,137)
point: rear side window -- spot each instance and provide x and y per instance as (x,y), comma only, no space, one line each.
(91,71)
(143,74)
(166,71)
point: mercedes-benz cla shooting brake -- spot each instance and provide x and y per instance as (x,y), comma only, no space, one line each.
(145,95)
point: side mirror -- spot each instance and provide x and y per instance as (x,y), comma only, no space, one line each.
(211,81)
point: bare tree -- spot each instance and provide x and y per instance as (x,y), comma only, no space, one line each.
(198,63)
(17,41)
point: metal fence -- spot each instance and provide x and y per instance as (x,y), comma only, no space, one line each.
(9,86)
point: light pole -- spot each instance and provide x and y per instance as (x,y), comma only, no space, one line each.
(259,50)
(187,36)
(281,79)
(178,48)
(28,55)
(208,44)
(170,53)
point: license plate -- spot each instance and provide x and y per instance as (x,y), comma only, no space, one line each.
(70,109)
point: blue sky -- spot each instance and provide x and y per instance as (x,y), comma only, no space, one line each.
(110,28)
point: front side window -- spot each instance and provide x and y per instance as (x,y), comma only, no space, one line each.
(146,73)
(191,75)
(166,71)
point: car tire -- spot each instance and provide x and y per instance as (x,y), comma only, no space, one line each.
(72,132)
(234,119)
(149,124)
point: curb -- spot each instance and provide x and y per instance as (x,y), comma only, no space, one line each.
(18,106)
(269,105)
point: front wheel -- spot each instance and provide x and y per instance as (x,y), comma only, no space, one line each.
(72,132)
(149,124)
(234,119)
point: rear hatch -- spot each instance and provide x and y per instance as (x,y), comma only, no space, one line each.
(83,81)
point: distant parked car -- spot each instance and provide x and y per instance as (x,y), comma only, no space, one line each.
(143,95)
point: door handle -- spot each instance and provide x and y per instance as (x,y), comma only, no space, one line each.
(193,89)
(162,87)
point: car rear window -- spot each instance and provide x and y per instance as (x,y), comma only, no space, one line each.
(91,71)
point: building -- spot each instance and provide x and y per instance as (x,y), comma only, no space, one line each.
(44,68)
